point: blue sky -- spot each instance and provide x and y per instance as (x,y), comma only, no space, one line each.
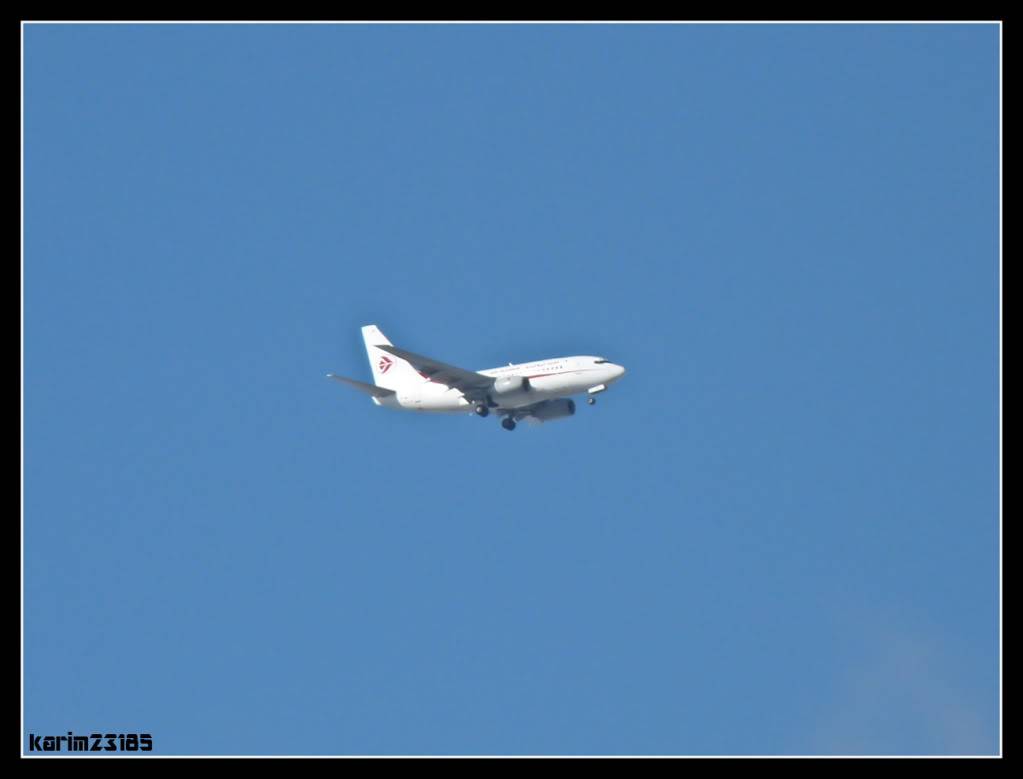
(778,534)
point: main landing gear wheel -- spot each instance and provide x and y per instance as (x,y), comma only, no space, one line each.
(591,401)
(482,410)
(508,423)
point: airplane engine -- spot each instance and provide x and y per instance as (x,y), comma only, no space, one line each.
(511,390)
(554,409)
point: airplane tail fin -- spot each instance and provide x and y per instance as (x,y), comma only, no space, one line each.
(389,371)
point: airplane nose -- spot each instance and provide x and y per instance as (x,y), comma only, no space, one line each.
(619,371)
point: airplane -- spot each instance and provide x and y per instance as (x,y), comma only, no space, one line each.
(534,391)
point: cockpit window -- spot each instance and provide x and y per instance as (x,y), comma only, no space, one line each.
(599,362)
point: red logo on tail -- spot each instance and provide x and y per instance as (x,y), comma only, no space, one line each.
(384,365)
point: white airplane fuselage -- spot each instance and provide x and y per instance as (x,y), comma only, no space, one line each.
(548,379)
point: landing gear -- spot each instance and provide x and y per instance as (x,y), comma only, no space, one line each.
(481,409)
(508,423)
(591,400)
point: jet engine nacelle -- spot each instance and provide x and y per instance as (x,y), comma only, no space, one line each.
(554,409)
(511,390)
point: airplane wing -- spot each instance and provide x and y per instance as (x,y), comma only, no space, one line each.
(369,389)
(469,383)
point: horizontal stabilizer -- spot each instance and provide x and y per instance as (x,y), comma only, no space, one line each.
(369,389)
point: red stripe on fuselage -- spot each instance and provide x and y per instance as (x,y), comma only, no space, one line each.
(558,373)
(534,376)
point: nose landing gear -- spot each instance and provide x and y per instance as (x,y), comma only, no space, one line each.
(481,409)
(591,401)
